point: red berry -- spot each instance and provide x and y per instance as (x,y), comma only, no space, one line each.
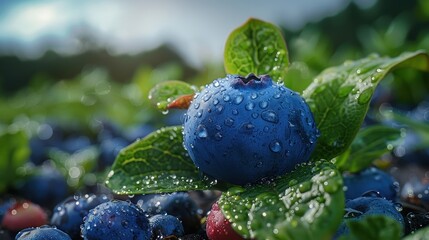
(218,227)
(24,214)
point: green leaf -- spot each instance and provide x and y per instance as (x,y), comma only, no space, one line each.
(298,77)
(164,93)
(307,203)
(374,227)
(421,234)
(339,97)
(157,164)
(76,166)
(256,47)
(370,143)
(419,128)
(14,152)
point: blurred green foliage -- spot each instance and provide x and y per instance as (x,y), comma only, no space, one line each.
(101,92)
(385,28)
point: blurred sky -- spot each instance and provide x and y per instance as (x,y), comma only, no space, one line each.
(197,28)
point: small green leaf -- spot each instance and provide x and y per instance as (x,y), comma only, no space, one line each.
(164,93)
(339,97)
(421,234)
(374,227)
(14,152)
(157,164)
(307,203)
(370,143)
(256,47)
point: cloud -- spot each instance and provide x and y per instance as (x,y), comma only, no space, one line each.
(197,28)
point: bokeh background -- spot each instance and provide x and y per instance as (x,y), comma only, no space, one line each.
(98,59)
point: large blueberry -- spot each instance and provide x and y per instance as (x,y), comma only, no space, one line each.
(69,214)
(370,179)
(242,129)
(116,220)
(360,207)
(42,233)
(179,205)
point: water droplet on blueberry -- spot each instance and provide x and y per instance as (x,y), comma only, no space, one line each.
(275,146)
(202,132)
(270,116)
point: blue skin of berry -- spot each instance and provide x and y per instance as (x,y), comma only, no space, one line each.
(370,179)
(166,225)
(360,207)
(116,220)
(46,188)
(179,205)
(69,214)
(242,132)
(49,136)
(42,233)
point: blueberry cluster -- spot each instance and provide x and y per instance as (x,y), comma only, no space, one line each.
(51,203)
(105,217)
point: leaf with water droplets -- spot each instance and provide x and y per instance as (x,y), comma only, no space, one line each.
(166,92)
(373,227)
(370,143)
(307,203)
(256,47)
(339,97)
(157,164)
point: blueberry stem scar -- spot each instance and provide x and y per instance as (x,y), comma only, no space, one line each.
(250,77)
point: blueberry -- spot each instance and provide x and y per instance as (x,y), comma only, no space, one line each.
(46,187)
(179,205)
(241,130)
(108,129)
(116,220)
(109,149)
(48,136)
(42,233)
(166,225)
(360,207)
(75,143)
(218,227)
(68,215)
(370,179)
